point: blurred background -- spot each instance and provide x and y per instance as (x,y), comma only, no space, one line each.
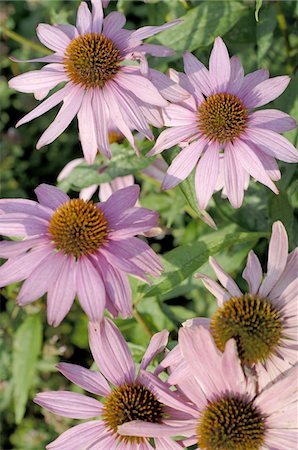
(263,35)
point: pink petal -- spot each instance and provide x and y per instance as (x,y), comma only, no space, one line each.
(250,81)
(22,225)
(156,346)
(277,258)
(52,38)
(19,268)
(144,32)
(273,144)
(234,176)
(53,58)
(113,23)
(68,168)
(84,19)
(221,295)
(266,91)
(70,107)
(166,444)
(69,404)
(251,164)
(97,16)
(89,380)
(288,277)
(69,30)
(140,87)
(154,50)
(137,220)
(268,162)
(80,436)
(45,106)
(101,117)
(90,289)
(183,164)
(111,352)
(168,88)
(40,279)
(253,272)
(50,196)
(198,75)
(87,128)
(225,279)
(206,174)
(236,76)
(231,368)
(219,65)
(61,292)
(37,80)
(12,205)
(178,116)
(117,204)
(271,119)
(147,429)
(172,136)
(10,249)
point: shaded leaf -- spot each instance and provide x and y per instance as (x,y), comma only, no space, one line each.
(257,10)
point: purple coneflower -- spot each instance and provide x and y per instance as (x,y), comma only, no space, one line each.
(228,413)
(73,246)
(263,321)
(100,88)
(126,396)
(218,121)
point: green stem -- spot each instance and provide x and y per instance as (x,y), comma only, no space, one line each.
(142,322)
(25,42)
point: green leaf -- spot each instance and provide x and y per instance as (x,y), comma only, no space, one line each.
(26,348)
(124,162)
(183,261)
(187,188)
(257,10)
(265,30)
(202,24)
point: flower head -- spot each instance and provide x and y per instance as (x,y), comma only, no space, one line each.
(220,133)
(262,320)
(73,246)
(228,411)
(126,396)
(100,87)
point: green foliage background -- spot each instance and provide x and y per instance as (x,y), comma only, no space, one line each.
(263,35)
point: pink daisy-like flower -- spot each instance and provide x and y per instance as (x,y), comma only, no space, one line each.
(228,412)
(263,321)
(71,247)
(218,120)
(100,88)
(129,398)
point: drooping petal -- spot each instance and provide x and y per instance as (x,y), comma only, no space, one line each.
(90,289)
(225,279)
(253,272)
(172,136)
(52,38)
(89,380)
(273,144)
(111,352)
(144,32)
(101,117)
(22,225)
(250,81)
(136,220)
(221,295)
(80,436)
(183,164)
(119,202)
(50,196)
(219,65)
(87,128)
(277,258)
(233,176)
(70,107)
(37,80)
(271,119)
(10,249)
(178,116)
(84,19)
(167,87)
(266,91)
(16,205)
(61,292)
(69,404)
(45,106)
(156,346)
(206,174)
(53,58)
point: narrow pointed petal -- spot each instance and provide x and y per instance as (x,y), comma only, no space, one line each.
(54,58)
(253,272)
(221,295)
(97,16)
(234,177)
(219,65)
(113,23)
(156,346)
(206,175)
(144,32)
(266,91)
(90,289)
(87,128)
(52,38)
(111,352)
(198,74)
(225,279)
(272,119)
(84,19)
(50,196)
(89,380)
(84,435)
(172,136)
(168,88)
(10,249)
(273,144)
(236,76)
(251,80)
(37,80)
(101,117)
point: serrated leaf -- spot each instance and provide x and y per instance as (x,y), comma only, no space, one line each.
(257,10)
(187,188)
(183,261)
(202,24)
(26,348)
(124,162)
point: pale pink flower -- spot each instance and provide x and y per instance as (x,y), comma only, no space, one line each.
(218,119)
(228,410)
(126,395)
(263,320)
(101,89)
(71,247)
